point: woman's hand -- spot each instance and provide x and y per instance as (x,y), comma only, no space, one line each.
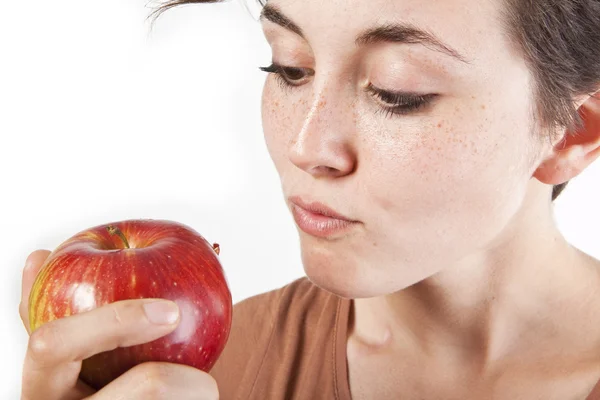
(56,349)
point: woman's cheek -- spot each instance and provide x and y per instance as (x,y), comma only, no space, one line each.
(283,116)
(274,114)
(432,166)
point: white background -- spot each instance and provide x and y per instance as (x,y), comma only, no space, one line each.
(103,120)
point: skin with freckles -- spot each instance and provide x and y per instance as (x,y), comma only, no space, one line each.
(420,183)
(463,286)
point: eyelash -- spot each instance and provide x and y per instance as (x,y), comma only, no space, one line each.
(401,103)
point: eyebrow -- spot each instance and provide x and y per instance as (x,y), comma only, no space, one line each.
(392,32)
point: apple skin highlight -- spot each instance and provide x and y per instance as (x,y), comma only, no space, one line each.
(138,259)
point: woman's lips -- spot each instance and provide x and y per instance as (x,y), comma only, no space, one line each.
(318,220)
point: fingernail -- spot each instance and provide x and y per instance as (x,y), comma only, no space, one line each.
(162,312)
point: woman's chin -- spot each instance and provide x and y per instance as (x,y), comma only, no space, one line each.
(338,285)
(341,279)
(352,279)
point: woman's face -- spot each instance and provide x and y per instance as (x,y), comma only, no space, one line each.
(433,179)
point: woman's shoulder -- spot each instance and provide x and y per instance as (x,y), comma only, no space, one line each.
(267,331)
(262,310)
(258,313)
(270,301)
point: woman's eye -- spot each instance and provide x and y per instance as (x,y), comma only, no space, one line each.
(395,103)
(401,103)
(287,77)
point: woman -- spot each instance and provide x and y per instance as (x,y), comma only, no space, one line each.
(420,146)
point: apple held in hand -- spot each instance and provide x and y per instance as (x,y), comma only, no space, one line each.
(139,259)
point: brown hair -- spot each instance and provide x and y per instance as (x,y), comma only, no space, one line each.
(560,40)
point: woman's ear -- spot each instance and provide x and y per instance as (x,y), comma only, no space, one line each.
(577,149)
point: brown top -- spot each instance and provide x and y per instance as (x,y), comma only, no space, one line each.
(289,344)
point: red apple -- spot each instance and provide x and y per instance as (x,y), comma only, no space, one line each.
(139,259)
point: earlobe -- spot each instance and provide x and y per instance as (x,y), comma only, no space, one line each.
(577,150)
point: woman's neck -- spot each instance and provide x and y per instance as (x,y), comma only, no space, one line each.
(525,291)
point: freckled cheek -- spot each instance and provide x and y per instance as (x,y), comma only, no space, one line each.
(282,119)
(274,116)
(442,153)
(430,166)
(447,153)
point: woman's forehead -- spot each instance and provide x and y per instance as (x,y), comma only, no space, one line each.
(460,27)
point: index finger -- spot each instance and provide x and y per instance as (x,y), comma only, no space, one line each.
(33,264)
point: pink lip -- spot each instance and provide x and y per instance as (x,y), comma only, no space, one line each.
(319,220)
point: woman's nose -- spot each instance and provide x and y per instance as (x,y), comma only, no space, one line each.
(324,146)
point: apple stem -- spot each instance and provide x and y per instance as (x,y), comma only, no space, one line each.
(217,248)
(114,230)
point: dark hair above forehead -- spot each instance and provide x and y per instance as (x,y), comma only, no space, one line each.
(560,41)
